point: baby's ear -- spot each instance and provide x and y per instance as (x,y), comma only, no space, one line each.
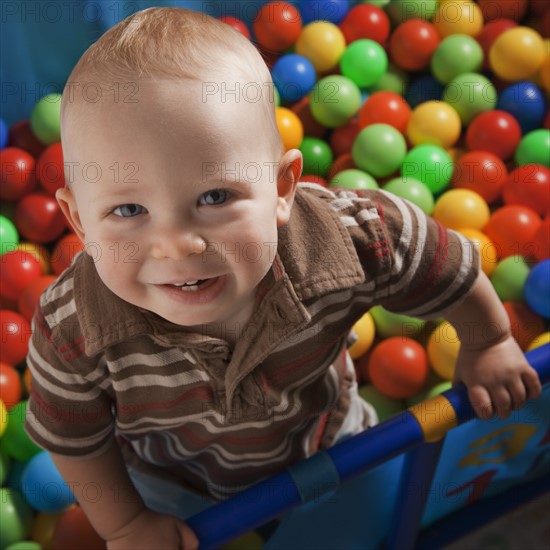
(288,175)
(67,203)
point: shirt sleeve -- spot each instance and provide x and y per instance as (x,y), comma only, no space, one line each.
(68,412)
(419,268)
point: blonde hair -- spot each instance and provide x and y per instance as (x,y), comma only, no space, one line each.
(171,43)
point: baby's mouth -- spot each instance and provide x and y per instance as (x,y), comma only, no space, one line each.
(193,286)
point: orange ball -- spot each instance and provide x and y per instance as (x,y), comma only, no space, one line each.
(290,128)
(64,251)
(488,251)
(458,17)
(10,386)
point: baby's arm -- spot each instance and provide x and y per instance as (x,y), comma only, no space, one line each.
(490,362)
(120,516)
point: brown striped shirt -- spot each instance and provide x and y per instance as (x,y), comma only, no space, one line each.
(187,406)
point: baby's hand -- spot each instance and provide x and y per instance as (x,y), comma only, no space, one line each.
(498,378)
(152,531)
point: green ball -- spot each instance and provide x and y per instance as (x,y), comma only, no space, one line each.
(379,149)
(334,100)
(403,10)
(430,164)
(394,80)
(353,179)
(509,278)
(395,324)
(16,517)
(15,442)
(24,545)
(534,148)
(385,407)
(276,97)
(45,119)
(364,61)
(455,55)
(317,155)
(413,190)
(9,237)
(4,467)
(470,94)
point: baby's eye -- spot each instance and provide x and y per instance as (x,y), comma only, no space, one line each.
(214,197)
(128,210)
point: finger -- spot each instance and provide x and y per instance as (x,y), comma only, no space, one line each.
(518,394)
(481,402)
(532,383)
(502,401)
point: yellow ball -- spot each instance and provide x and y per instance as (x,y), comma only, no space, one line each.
(443,347)
(323,43)
(544,71)
(461,208)
(540,340)
(434,122)
(365,330)
(517,54)
(487,249)
(458,17)
(3,417)
(290,127)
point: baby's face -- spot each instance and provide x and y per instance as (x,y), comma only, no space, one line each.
(178,202)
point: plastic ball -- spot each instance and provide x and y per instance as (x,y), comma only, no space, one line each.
(395,324)
(489,33)
(294,76)
(317,156)
(434,122)
(38,218)
(43,527)
(24,545)
(537,289)
(443,347)
(455,55)
(385,407)
(385,108)
(422,89)
(290,127)
(539,340)
(526,325)
(394,80)
(277,26)
(342,138)
(458,17)
(496,132)
(364,62)
(334,100)
(22,137)
(10,386)
(513,228)
(311,126)
(19,269)
(3,134)
(403,10)
(74,527)
(470,94)
(39,253)
(365,331)
(488,251)
(430,164)
(353,179)
(45,119)
(29,298)
(525,102)
(494,9)
(509,278)
(414,191)
(9,237)
(517,54)
(17,173)
(529,185)
(398,367)
(542,240)
(16,517)
(50,169)
(16,331)
(322,43)
(534,148)
(323,10)
(15,442)
(237,24)
(365,21)
(379,149)
(3,425)
(481,172)
(460,208)
(413,43)
(43,486)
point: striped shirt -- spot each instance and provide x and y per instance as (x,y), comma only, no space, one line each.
(185,405)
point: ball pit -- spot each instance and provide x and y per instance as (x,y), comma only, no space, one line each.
(406,67)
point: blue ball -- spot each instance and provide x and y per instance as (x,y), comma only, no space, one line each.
(524,101)
(424,88)
(294,76)
(537,289)
(323,10)
(3,134)
(43,487)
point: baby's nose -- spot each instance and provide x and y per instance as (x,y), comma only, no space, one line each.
(177,244)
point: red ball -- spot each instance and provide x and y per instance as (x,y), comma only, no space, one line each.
(17,173)
(489,33)
(529,185)
(481,172)
(28,300)
(39,218)
(497,132)
(64,251)
(492,9)
(365,21)
(74,528)
(10,385)
(542,240)
(385,108)
(398,367)
(342,138)
(22,137)
(277,26)
(19,269)
(413,43)
(237,24)
(525,323)
(50,169)
(513,228)
(16,331)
